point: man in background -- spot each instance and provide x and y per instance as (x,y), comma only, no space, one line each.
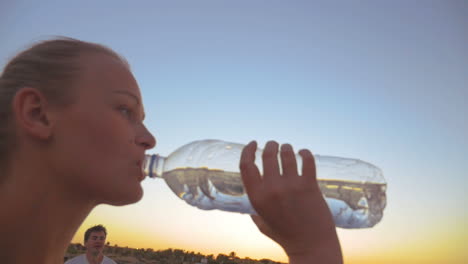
(94,241)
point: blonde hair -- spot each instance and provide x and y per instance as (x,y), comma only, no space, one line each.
(50,66)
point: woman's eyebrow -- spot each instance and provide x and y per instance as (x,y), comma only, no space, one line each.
(122,92)
(128,94)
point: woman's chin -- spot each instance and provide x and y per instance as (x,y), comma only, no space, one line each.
(127,197)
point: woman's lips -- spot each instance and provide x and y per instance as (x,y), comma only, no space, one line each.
(141,175)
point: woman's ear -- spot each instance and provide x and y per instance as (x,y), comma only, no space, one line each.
(30,113)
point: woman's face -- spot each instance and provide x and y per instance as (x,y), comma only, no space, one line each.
(100,140)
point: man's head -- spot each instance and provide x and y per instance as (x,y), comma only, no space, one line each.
(95,239)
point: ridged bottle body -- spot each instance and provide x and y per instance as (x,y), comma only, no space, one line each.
(206,174)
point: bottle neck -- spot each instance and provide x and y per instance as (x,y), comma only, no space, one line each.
(153,165)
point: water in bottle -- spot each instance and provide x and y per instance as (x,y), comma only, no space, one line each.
(206,174)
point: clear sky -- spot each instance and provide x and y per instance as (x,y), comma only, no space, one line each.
(384,82)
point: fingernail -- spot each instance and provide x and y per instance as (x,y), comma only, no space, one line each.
(286,147)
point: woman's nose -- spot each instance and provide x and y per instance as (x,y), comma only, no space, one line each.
(146,139)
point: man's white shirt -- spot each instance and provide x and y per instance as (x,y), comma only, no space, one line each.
(81,259)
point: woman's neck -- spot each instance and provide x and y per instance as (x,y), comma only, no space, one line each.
(39,218)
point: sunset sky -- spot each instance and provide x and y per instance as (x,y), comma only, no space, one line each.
(382,81)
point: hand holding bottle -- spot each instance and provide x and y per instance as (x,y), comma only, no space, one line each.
(205,174)
(291,208)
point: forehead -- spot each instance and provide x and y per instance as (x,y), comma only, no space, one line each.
(97,234)
(102,74)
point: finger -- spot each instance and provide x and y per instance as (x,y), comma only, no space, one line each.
(249,171)
(270,162)
(308,165)
(288,161)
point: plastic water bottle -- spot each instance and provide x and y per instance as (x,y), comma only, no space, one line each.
(206,174)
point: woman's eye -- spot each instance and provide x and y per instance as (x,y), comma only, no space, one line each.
(125,111)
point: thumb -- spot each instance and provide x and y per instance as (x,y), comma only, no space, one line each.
(262,226)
